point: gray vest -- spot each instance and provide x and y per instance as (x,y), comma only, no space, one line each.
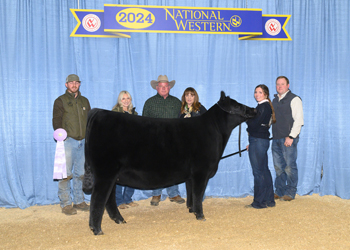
(284,118)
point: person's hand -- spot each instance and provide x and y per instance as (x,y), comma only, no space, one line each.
(288,142)
(247,147)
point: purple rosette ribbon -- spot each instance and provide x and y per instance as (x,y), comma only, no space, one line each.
(60,170)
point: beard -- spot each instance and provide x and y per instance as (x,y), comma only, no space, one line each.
(73,90)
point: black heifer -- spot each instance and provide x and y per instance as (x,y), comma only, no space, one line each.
(151,153)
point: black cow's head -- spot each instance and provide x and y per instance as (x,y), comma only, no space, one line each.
(235,108)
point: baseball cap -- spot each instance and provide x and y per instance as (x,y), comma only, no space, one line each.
(72,78)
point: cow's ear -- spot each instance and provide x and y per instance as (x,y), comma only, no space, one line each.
(223,96)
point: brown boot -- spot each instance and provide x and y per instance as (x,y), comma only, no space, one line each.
(123,206)
(177,199)
(132,204)
(69,210)
(155,200)
(276,196)
(286,198)
(82,206)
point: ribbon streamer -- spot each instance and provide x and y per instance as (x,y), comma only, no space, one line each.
(60,170)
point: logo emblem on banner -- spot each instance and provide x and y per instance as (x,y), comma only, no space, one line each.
(273,27)
(236,21)
(91,22)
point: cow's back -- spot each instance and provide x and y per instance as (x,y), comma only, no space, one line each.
(149,147)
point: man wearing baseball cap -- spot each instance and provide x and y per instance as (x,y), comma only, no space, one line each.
(70,113)
(163,105)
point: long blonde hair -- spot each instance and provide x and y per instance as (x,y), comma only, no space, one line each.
(266,91)
(119,101)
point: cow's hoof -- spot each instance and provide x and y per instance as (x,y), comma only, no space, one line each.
(120,221)
(200,217)
(97,232)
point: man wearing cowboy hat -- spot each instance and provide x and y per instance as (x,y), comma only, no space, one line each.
(163,105)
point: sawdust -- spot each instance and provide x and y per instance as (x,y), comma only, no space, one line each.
(308,222)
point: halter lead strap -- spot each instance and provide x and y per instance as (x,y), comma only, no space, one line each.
(227,111)
(239,134)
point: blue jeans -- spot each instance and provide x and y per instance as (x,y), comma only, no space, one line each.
(172,191)
(123,197)
(263,185)
(285,162)
(75,160)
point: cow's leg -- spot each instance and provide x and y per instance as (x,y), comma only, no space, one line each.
(99,196)
(112,208)
(189,200)
(199,183)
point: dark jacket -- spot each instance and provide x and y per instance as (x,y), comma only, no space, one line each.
(120,110)
(201,111)
(70,114)
(259,126)
(158,107)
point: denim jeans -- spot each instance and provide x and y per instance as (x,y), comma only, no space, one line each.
(263,185)
(172,191)
(123,194)
(285,162)
(75,160)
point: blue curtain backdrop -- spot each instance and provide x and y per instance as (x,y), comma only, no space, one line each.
(37,54)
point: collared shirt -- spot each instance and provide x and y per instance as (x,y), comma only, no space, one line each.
(297,113)
(265,100)
(158,107)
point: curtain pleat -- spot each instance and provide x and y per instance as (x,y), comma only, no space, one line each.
(37,53)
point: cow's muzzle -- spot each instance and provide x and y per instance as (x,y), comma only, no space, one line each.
(250,112)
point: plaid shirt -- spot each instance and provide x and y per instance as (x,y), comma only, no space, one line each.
(158,107)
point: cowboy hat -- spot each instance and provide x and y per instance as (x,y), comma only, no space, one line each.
(162,78)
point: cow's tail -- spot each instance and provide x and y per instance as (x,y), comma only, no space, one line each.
(88,180)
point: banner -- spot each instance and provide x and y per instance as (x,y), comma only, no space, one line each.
(273,29)
(165,19)
(121,20)
(91,23)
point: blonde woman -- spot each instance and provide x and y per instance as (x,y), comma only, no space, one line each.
(123,197)
(124,103)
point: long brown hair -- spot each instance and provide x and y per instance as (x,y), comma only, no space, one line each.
(266,91)
(196,104)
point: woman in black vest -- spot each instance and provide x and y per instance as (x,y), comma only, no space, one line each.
(258,130)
